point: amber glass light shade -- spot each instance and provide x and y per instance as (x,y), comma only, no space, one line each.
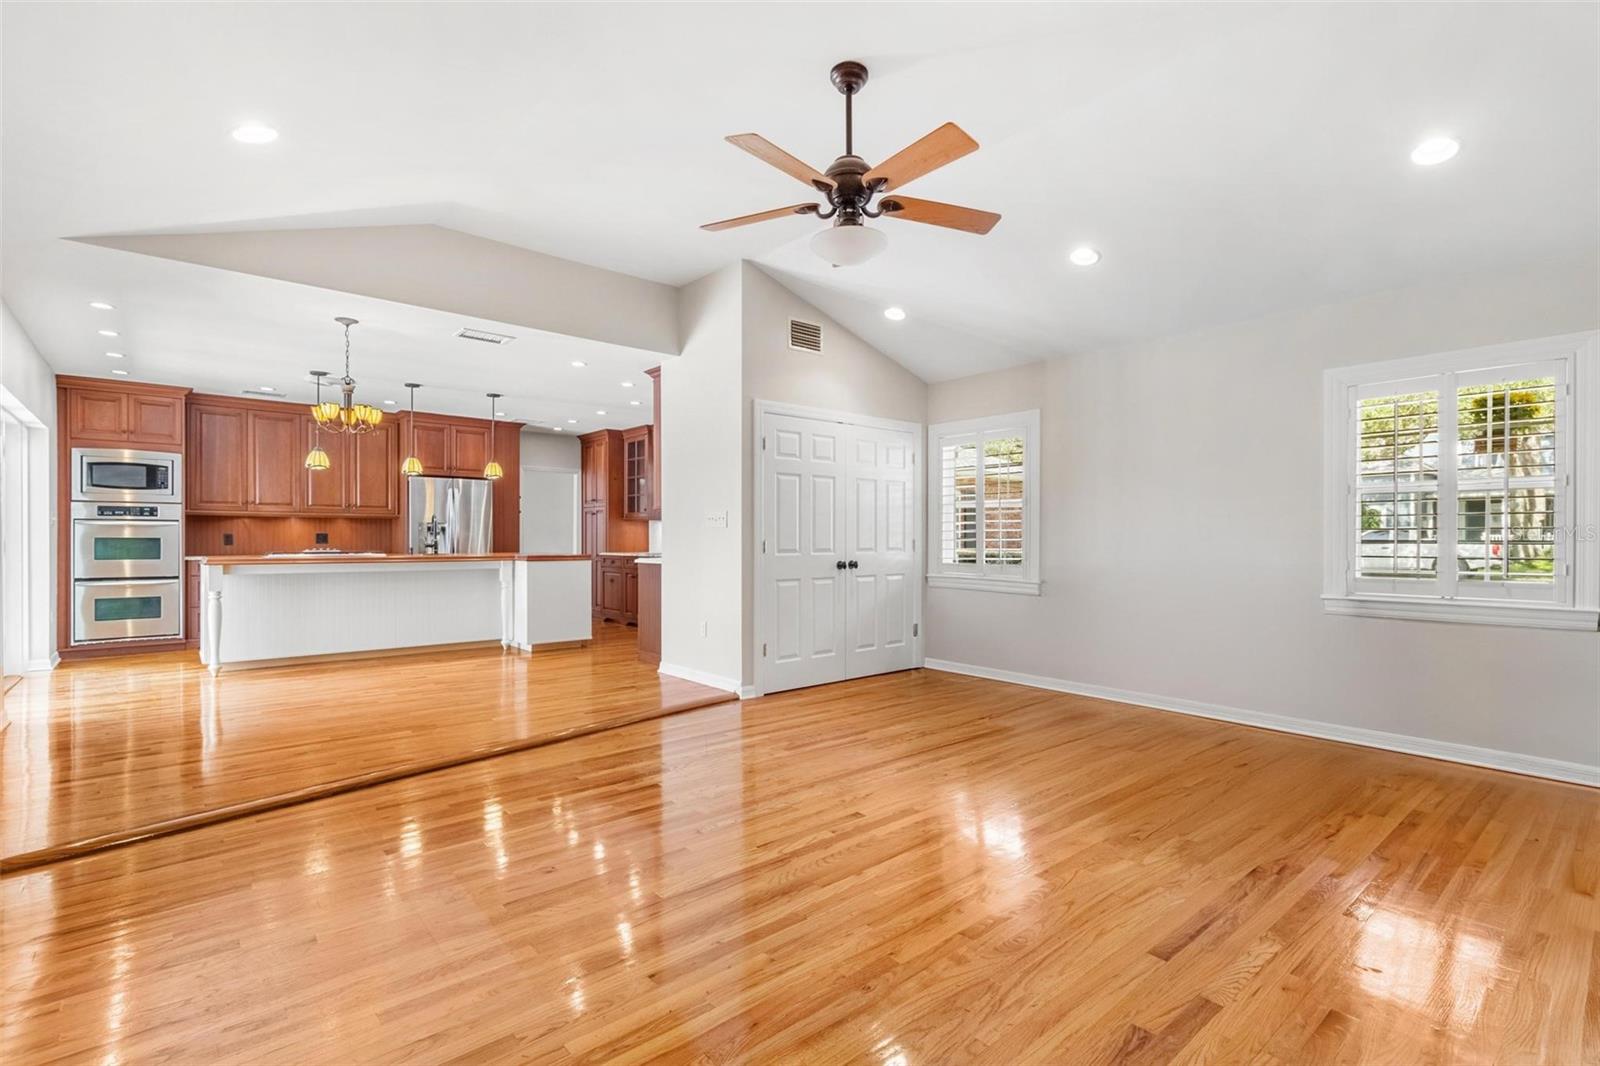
(492,471)
(412,467)
(317,459)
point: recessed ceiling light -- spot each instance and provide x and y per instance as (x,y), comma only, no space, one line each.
(268,388)
(254,133)
(895,314)
(1435,150)
(499,414)
(115,355)
(120,373)
(627,384)
(634,403)
(599,412)
(101,305)
(556,428)
(1084,256)
(572,421)
(579,362)
(388,403)
(108,333)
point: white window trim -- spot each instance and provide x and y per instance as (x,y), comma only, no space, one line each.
(1576,600)
(1025,583)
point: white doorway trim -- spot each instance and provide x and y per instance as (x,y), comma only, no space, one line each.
(919,436)
(35,596)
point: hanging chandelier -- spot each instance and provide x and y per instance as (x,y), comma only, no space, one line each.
(491,469)
(346,416)
(412,466)
(316,458)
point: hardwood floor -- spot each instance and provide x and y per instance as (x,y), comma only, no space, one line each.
(104,751)
(919,868)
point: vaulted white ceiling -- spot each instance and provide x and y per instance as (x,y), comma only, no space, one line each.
(1228,160)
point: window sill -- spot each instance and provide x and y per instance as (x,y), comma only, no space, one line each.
(1012,585)
(1470,612)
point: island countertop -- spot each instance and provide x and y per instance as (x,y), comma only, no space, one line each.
(297,559)
(266,609)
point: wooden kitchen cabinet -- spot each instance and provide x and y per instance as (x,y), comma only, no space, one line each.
(126,415)
(469,450)
(215,460)
(636,472)
(603,491)
(323,491)
(649,612)
(276,460)
(617,598)
(372,482)
(156,421)
(432,447)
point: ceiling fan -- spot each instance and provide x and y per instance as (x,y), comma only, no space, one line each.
(850,185)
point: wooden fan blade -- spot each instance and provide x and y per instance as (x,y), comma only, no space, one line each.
(762,216)
(944,145)
(768,152)
(934,213)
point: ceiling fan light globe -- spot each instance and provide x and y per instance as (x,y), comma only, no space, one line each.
(848,245)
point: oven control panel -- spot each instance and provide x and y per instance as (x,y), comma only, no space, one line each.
(125,510)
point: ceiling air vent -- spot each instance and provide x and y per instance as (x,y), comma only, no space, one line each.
(274,394)
(805,336)
(482,335)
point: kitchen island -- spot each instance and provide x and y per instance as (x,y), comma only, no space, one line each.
(259,610)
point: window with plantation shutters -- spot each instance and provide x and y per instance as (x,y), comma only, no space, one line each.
(984,503)
(1461,486)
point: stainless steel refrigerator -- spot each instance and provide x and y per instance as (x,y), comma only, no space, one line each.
(449,515)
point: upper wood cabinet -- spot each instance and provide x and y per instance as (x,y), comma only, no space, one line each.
(655,441)
(131,415)
(636,472)
(593,465)
(156,420)
(275,460)
(323,491)
(432,446)
(215,460)
(373,471)
(469,450)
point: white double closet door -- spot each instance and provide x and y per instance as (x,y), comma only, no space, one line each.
(839,571)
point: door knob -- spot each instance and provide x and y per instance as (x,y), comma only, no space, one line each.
(853,564)
(839,565)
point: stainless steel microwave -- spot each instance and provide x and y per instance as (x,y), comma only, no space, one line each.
(123,476)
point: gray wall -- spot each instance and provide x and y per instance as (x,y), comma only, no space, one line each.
(1182,531)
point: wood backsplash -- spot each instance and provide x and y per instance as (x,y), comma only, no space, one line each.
(254,535)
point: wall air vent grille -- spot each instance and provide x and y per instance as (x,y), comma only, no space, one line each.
(805,336)
(485,336)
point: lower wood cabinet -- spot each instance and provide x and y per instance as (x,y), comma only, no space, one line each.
(616,589)
(649,585)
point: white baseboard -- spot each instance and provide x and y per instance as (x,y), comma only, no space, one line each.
(40,666)
(701,677)
(1532,765)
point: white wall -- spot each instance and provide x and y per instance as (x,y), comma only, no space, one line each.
(29,385)
(1182,538)
(848,375)
(551,463)
(701,395)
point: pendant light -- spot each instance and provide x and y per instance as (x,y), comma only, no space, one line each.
(412,466)
(316,458)
(491,469)
(347,416)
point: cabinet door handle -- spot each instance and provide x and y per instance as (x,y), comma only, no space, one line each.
(853,564)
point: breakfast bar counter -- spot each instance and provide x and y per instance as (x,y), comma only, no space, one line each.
(259,610)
